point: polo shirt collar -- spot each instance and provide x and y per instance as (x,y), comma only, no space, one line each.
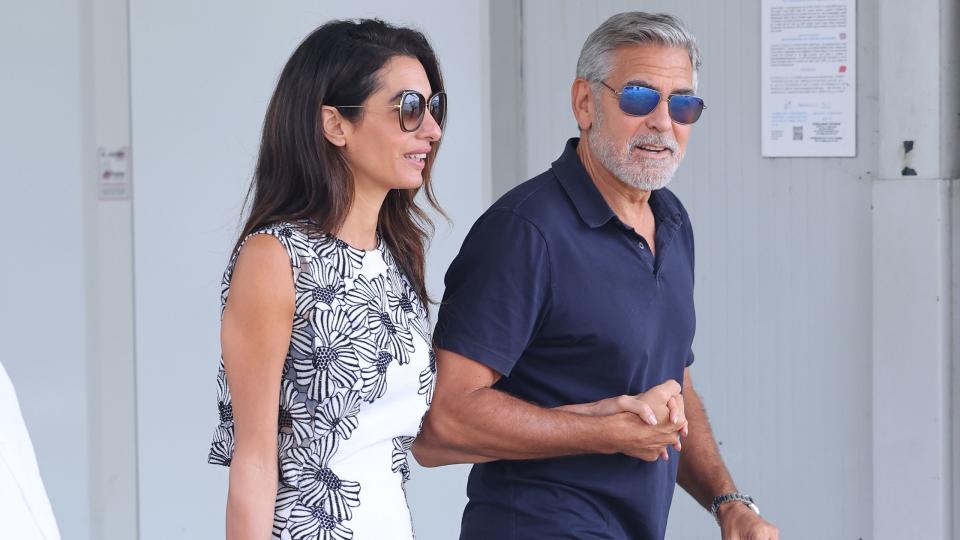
(590,204)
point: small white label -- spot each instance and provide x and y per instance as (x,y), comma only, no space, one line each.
(114,180)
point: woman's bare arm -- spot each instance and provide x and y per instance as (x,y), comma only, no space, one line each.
(255,336)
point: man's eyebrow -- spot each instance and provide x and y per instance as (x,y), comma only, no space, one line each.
(641,82)
(645,84)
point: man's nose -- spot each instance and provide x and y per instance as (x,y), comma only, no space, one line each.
(659,118)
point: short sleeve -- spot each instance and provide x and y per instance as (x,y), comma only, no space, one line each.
(497,291)
(688,237)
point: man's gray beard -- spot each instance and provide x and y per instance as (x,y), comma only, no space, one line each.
(642,173)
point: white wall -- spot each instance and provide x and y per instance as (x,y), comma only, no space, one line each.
(783,268)
(109,286)
(44,152)
(954,366)
(915,325)
(202,74)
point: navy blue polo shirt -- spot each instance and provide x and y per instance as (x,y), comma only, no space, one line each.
(554,292)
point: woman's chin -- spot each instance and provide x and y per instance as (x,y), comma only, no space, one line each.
(409,182)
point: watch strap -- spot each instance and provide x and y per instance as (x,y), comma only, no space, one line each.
(720,500)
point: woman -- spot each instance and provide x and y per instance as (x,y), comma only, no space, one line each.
(323,300)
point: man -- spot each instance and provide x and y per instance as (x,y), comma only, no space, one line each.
(568,317)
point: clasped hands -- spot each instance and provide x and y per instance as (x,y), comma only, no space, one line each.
(644,425)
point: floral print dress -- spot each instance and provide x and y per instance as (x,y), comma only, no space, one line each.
(357,380)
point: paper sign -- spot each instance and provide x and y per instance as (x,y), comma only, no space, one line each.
(114,181)
(808,78)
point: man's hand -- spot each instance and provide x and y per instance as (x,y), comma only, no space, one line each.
(739,522)
(660,408)
(660,403)
(636,438)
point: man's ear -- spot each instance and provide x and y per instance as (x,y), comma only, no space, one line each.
(581,99)
(336,128)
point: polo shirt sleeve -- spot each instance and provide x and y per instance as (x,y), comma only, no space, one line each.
(688,239)
(497,291)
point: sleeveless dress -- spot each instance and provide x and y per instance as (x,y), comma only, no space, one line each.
(357,380)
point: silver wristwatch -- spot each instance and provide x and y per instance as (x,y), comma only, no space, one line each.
(728,497)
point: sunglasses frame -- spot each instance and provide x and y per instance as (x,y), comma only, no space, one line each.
(399,108)
(620,93)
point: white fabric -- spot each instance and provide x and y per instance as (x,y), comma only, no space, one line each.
(25,512)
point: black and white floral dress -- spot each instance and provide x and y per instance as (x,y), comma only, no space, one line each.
(357,380)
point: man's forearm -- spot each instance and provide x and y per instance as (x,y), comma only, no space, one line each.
(429,452)
(701,471)
(491,423)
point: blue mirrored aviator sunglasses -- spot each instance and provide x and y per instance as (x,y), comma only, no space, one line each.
(641,101)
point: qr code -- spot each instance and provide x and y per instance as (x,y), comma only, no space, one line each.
(798,133)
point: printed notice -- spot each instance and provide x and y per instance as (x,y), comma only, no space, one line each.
(808,78)
(114,179)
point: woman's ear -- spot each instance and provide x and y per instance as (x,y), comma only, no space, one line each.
(336,128)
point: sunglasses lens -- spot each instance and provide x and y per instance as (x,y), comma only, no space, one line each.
(638,100)
(412,107)
(685,109)
(438,108)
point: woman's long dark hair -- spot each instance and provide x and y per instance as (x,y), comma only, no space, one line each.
(302,176)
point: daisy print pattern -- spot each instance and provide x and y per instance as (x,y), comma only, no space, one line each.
(368,306)
(405,304)
(338,416)
(321,289)
(294,240)
(294,418)
(313,523)
(428,379)
(320,486)
(221,451)
(332,363)
(344,258)
(375,376)
(357,378)
(400,447)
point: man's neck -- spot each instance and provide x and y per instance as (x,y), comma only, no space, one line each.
(627,202)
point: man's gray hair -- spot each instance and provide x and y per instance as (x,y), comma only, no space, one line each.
(633,28)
